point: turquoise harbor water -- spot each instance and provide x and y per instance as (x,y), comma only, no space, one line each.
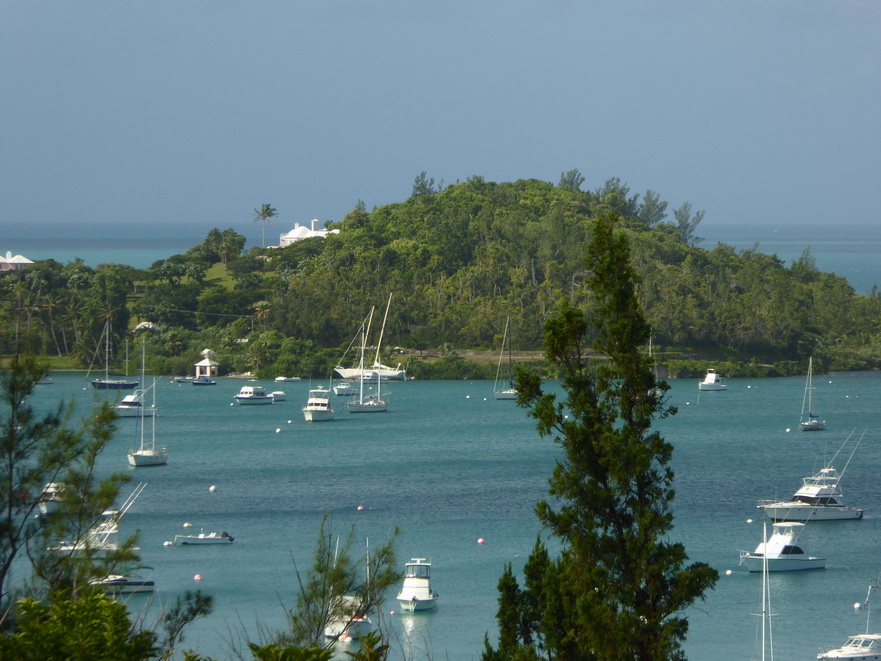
(449,465)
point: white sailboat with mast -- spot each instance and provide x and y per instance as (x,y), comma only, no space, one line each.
(499,389)
(147,453)
(370,402)
(812,422)
(107,383)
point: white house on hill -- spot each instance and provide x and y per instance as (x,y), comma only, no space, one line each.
(301,232)
(14,262)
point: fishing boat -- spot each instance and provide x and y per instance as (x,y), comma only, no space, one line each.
(781,552)
(204,538)
(369,402)
(103,538)
(712,381)
(863,646)
(253,395)
(416,593)
(819,498)
(811,422)
(500,390)
(318,408)
(347,618)
(107,383)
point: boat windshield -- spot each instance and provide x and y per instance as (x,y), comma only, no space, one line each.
(417,571)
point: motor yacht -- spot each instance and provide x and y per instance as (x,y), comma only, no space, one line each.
(781,551)
(416,593)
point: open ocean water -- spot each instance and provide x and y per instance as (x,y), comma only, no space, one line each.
(449,465)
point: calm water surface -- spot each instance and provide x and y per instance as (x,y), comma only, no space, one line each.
(449,465)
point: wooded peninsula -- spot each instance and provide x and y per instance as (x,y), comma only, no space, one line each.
(458,261)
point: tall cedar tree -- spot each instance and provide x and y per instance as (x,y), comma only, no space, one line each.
(619,588)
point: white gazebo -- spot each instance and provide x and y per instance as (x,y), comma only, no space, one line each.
(206,366)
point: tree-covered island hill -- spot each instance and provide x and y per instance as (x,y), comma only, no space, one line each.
(458,260)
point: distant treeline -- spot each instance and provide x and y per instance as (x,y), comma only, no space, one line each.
(458,260)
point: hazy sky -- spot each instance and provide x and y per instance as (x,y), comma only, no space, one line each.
(195,112)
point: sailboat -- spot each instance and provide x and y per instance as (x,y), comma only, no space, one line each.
(765,614)
(107,383)
(147,453)
(370,402)
(499,389)
(812,422)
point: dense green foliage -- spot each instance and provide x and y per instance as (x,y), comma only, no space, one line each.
(459,260)
(619,588)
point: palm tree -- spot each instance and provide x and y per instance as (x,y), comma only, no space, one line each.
(264,214)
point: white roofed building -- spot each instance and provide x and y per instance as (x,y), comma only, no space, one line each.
(14,262)
(301,232)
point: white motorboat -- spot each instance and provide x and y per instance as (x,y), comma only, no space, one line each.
(253,395)
(124,584)
(132,406)
(712,381)
(416,593)
(781,552)
(500,391)
(811,422)
(203,381)
(287,379)
(318,408)
(818,499)
(204,538)
(50,500)
(347,619)
(862,646)
(278,396)
(344,389)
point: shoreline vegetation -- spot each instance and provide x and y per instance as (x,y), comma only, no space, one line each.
(458,261)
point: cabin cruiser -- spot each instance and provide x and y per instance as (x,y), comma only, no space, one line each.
(287,379)
(863,647)
(253,395)
(780,551)
(416,594)
(132,406)
(124,584)
(712,381)
(344,389)
(318,406)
